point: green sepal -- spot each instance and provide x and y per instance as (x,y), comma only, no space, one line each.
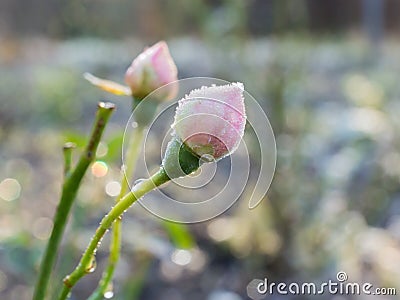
(179,160)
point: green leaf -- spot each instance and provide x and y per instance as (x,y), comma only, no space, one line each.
(179,234)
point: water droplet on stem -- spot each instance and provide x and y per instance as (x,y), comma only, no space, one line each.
(109,293)
(138,181)
(92,265)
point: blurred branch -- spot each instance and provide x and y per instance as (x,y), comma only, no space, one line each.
(67,151)
(132,155)
(69,191)
(86,262)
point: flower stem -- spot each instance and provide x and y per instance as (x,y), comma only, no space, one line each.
(71,184)
(86,260)
(67,151)
(115,245)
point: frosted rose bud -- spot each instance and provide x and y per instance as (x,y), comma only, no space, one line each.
(211,120)
(153,68)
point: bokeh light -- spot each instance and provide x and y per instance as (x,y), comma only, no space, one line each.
(113,188)
(181,257)
(99,169)
(102,150)
(221,229)
(10,189)
(42,228)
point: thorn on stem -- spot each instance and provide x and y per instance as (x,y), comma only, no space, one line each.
(67,283)
(106,105)
(69,145)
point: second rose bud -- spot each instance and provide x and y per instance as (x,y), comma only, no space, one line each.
(152,69)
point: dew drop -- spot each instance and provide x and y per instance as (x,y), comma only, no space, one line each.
(108,294)
(134,124)
(92,265)
(138,181)
(207,158)
(195,173)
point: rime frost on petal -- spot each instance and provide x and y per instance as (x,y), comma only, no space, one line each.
(211,120)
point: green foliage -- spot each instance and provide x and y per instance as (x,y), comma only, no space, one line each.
(179,234)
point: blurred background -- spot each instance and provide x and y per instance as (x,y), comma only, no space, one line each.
(326,74)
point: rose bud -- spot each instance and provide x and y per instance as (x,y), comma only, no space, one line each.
(153,68)
(211,120)
(209,125)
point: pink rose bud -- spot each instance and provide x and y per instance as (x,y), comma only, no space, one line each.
(153,68)
(211,120)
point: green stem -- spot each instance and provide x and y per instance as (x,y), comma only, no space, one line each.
(70,187)
(115,245)
(67,151)
(86,260)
